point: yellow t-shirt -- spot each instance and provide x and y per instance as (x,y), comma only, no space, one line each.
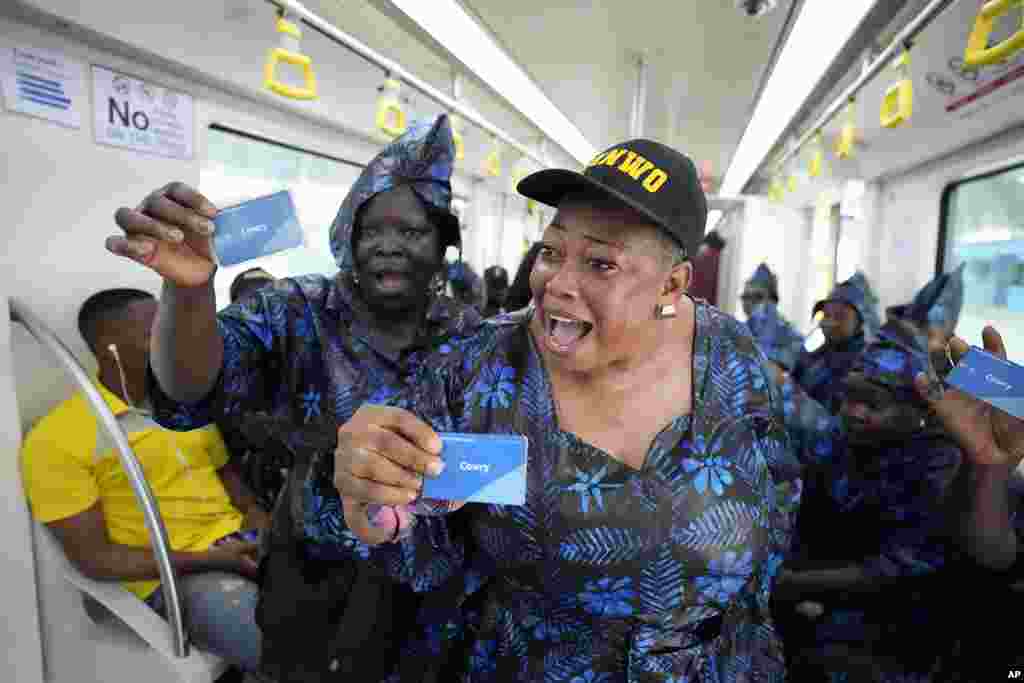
(68,463)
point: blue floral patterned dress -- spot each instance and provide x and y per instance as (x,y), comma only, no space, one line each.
(820,372)
(879,507)
(607,573)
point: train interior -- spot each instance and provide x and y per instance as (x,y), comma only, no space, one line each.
(831,138)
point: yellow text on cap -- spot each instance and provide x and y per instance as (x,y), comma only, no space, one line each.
(633,165)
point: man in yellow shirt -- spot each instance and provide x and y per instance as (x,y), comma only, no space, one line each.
(77,487)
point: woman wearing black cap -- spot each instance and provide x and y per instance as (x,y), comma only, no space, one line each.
(651,530)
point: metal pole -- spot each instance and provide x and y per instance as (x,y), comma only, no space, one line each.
(147,501)
(903,40)
(345,40)
(636,127)
(457,86)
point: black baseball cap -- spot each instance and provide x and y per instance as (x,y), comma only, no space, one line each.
(656,181)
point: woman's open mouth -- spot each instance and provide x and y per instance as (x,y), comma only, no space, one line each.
(563,334)
(391,281)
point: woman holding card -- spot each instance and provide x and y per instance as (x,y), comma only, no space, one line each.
(307,351)
(985,507)
(652,529)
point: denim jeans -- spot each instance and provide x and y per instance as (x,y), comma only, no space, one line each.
(220,611)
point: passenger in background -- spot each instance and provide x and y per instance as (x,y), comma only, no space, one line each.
(519,294)
(846,314)
(310,350)
(777,338)
(496,286)
(872,322)
(705,268)
(249,281)
(872,527)
(466,286)
(78,488)
(761,288)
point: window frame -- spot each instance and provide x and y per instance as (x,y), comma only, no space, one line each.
(947,190)
(224,128)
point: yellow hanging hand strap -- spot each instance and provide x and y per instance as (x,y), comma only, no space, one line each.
(289,53)
(978,53)
(898,103)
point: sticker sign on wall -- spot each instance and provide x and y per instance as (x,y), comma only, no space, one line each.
(990,85)
(132,113)
(43,83)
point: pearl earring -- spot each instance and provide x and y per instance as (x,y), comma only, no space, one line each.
(664,311)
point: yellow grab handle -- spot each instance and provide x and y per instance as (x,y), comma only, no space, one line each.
(817,157)
(455,121)
(492,164)
(391,119)
(270,82)
(977,52)
(460,146)
(847,137)
(898,104)
(845,141)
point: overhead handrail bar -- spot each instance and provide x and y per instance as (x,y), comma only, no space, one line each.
(903,41)
(345,40)
(150,511)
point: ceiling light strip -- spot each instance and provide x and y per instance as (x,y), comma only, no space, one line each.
(460,34)
(821,30)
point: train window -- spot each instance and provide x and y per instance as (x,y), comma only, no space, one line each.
(983,226)
(241,166)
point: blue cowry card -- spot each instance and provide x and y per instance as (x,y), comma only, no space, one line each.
(993,380)
(481,468)
(258,227)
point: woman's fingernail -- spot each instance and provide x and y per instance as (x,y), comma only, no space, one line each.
(204,226)
(435,468)
(175,235)
(142,248)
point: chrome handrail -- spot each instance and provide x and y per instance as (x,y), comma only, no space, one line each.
(150,511)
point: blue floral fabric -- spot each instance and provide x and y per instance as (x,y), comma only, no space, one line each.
(898,356)
(879,507)
(301,348)
(422,158)
(820,372)
(938,304)
(607,573)
(778,339)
